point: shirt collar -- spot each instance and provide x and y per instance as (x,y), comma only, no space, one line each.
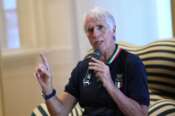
(114,55)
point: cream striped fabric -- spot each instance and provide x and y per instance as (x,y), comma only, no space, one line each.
(159,60)
(77,111)
(41,110)
(164,107)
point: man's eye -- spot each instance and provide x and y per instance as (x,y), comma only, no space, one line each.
(90,29)
(99,27)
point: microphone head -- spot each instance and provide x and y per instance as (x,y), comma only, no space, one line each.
(96,54)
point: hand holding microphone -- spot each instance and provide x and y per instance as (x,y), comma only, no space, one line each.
(101,71)
(96,54)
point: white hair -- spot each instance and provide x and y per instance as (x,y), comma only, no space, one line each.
(100,13)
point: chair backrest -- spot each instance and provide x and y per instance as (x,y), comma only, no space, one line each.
(164,107)
(40,110)
(159,60)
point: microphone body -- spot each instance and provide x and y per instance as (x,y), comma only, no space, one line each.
(96,54)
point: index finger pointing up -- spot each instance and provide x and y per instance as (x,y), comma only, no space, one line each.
(44,59)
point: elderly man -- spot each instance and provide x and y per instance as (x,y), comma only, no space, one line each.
(114,84)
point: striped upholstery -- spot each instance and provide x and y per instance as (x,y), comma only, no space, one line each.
(41,110)
(159,60)
(164,107)
(76,111)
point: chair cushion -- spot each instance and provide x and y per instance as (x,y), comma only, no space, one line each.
(41,110)
(164,107)
(159,60)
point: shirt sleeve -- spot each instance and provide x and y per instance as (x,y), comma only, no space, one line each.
(137,80)
(72,86)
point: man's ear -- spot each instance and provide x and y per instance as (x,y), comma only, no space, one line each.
(114,29)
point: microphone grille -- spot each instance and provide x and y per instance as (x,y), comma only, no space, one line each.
(97,54)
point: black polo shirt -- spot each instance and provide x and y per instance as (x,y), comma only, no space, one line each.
(128,74)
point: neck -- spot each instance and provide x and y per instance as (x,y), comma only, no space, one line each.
(108,53)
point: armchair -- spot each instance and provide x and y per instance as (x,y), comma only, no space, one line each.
(159,60)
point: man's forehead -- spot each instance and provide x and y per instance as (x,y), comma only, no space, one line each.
(94,21)
(95,18)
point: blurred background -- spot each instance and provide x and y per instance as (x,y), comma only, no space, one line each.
(55,28)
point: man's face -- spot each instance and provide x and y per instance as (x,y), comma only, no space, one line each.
(99,34)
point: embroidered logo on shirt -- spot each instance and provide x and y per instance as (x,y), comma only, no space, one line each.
(86,80)
(119,81)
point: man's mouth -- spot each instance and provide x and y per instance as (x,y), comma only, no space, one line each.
(98,43)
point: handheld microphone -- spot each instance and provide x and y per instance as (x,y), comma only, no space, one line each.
(96,54)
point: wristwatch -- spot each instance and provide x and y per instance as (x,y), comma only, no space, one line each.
(46,97)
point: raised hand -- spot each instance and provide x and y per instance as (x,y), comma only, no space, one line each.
(43,75)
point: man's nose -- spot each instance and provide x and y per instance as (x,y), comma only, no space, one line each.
(96,32)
